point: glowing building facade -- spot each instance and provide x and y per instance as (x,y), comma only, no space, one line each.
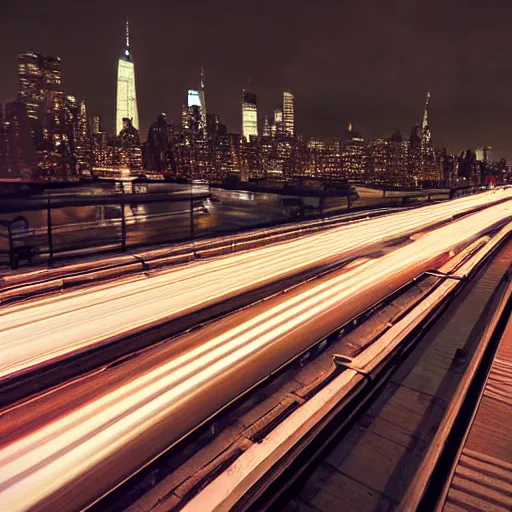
(193,98)
(249,115)
(425,125)
(277,125)
(126,102)
(194,115)
(484,154)
(202,98)
(31,82)
(288,114)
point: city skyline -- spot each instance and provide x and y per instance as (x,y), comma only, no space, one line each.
(375,99)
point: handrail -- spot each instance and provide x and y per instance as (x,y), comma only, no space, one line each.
(416,492)
(8,205)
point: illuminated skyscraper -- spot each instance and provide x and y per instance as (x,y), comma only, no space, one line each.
(193,98)
(126,103)
(82,140)
(202,99)
(249,115)
(194,112)
(277,126)
(19,149)
(288,114)
(96,125)
(484,154)
(425,125)
(52,80)
(266,127)
(30,83)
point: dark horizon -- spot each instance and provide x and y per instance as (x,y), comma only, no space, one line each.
(368,64)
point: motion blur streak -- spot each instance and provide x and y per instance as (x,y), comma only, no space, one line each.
(54,328)
(68,463)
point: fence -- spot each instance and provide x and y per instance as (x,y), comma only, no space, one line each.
(48,227)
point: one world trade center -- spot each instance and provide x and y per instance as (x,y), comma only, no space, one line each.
(126,101)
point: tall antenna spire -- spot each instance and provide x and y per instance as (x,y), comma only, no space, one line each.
(202,78)
(127,44)
(426,112)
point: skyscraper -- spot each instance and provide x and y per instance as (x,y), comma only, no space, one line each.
(484,154)
(194,112)
(126,102)
(277,126)
(425,125)
(192,115)
(288,114)
(266,127)
(202,99)
(30,83)
(19,148)
(52,73)
(82,141)
(193,98)
(249,115)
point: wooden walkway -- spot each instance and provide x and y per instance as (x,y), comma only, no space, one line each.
(482,480)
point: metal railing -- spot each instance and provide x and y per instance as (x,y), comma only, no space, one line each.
(114,218)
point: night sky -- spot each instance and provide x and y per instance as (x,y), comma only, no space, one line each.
(366,61)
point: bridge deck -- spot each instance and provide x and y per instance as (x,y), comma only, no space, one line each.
(483,475)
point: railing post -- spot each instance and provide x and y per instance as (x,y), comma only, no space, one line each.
(192,233)
(123,228)
(49,228)
(11,249)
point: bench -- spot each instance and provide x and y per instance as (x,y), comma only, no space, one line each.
(21,239)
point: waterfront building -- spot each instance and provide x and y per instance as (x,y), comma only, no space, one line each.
(126,100)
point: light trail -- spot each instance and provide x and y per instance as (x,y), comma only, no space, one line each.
(54,328)
(73,459)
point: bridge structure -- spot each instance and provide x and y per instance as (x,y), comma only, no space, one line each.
(351,365)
